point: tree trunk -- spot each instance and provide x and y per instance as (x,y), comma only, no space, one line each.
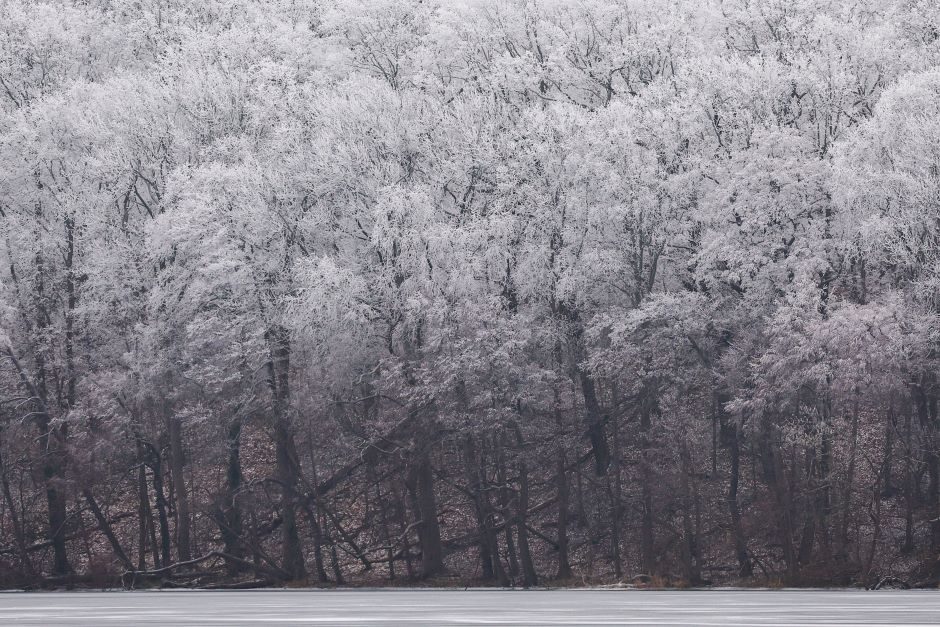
(529,575)
(230,512)
(595,423)
(561,479)
(593,419)
(287,466)
(808,537)
(891,427)
(144,514)
(614,492)
(50,440)
(177,462)
(105,527)
(926,404)
(745,566)
(647,539)
(429,532)
(908,546)
(489,558)
(824,487)
(403,529)
(156,466)
(776,480)
(55,501)
(690,550)
(504,503)
(846,497)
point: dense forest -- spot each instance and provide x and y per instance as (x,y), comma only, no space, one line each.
(521,292)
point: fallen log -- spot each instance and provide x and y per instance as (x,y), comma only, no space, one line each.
(131,577)
(240,585)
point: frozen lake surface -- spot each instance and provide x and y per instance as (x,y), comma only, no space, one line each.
(538,608)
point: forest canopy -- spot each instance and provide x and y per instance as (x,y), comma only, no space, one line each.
(508,291)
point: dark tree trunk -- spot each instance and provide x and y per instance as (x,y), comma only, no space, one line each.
(177,473)
(401,515)
(808,537)
(473,487)
(647,538)
(334,563)
(745,566)
(824,486)
(105,527)
(595,423)
(690,552)
(156,466)
(926,404)
(318,541)
(776,480)
(561,479)
(614,492)
(386,527)
(315,517)
(286,458)
(287,466)
(229,511)
(846,497)
(504,503)
(529,574)
(51,439)
(887,473)
(593,418)
(908,546)
(55,502)
(144,515)
(490,564)
(429,532)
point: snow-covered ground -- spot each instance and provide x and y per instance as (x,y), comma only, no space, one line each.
(473,607)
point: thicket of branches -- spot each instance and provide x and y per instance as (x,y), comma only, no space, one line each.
(500,290)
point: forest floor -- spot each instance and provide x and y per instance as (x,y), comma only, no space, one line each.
(388,608)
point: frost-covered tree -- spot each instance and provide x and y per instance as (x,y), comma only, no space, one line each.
(502,290)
